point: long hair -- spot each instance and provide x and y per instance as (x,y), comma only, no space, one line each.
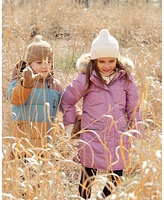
(92,65)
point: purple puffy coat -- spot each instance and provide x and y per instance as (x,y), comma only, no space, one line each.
(107,112)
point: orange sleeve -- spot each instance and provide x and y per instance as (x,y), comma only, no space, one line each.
(19,94)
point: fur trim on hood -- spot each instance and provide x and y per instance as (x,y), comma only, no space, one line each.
(84,59)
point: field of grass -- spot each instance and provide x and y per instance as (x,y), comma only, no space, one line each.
(70,29)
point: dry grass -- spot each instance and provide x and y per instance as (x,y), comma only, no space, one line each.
(70,29)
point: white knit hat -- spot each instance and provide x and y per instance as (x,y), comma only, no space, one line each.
(104,45)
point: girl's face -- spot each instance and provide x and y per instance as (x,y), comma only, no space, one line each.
(42,66)
(106,65)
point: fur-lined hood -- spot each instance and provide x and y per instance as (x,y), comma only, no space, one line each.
(84,59)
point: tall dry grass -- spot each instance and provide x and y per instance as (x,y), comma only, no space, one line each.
(70,29)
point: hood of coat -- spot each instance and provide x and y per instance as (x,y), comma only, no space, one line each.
(84,59)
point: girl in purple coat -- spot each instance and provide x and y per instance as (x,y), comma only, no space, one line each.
(110,107)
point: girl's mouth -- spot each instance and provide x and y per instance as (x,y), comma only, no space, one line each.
(106,70)
(44,73)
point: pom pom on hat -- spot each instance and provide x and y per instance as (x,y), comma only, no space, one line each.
(38,50)
(104,45)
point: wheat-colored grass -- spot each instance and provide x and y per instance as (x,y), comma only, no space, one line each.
(70,28)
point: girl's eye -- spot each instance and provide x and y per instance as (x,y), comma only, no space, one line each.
(39,63)
(101,61)
(49,62)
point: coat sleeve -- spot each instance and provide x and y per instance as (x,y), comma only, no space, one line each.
(73,93)
(17,94)
(133,110)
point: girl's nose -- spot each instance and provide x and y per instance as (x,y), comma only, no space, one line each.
(106,65)
(45,61)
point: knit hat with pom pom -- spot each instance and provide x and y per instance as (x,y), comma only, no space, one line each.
(38,50)
(104,45)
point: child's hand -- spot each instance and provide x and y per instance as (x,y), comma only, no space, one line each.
(29,78)
(69,130)
(76,129)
